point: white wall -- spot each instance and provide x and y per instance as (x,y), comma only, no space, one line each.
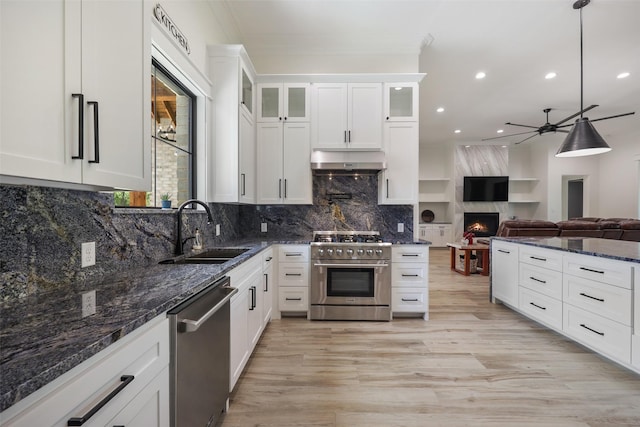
(333,64)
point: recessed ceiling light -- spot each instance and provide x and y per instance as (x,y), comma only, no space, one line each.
(467,146)
(500,130)
(504,146)
(481,75)
(457,131)
(440,109)
(623,75)
(550,75)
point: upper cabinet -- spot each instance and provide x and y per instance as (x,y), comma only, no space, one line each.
(287,102)
(347,116)
(232,159)
(401,102)
(86,122)
(398,184)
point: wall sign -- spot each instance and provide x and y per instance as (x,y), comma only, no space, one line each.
(163,18)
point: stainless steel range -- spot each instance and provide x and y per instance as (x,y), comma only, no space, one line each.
(350,276)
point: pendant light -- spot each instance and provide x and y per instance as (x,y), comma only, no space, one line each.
(583,139)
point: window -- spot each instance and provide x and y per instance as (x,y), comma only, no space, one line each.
(172,144)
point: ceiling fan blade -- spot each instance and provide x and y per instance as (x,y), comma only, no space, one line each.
(520,142)
(506,136)
(576,114)
(524,126)
(563,131)
(613,117)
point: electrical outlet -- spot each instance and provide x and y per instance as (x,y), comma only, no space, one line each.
(263,227)
(217,229)
(400,227)
(88,254)
(89,303)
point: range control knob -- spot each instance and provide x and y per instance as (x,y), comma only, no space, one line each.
(338,251)
(369,251)
(329,251)
(379,252)
(349,252)
(360,251)
(320,252)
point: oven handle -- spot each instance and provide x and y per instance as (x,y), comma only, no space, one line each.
(193,325)
(350,265)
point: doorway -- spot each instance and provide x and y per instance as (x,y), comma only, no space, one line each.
(575,198)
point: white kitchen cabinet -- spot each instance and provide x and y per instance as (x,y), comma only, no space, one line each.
(283,102)
(401,102)
(232,160)
(635,338)
(143,401)
(284,175)
(438,234)
(504,272)
(73,43)
(410,280)
(346,116)
(398,184)
(268,281)
(293,279)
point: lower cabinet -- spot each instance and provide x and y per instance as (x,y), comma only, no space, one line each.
(504,272)
(140,359)
(438,234)
(293,279)
(410,280)
(268,281)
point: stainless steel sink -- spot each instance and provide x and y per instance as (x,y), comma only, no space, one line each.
(211,256)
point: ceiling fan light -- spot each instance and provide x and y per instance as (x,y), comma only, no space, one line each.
(583,140)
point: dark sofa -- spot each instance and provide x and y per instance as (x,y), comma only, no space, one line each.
(606,228)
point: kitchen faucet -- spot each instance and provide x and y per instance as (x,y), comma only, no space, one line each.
(179,242)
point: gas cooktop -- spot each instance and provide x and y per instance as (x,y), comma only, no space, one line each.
(347,237)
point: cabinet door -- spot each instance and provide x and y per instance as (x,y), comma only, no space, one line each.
(297,174)
(365,116)
(246,90)
(270,103)
(270,157)
(329,115)
(239,350)
(401,102)
(247,154)
(504,272)
(150,408)
(116,70)
(268,283)
(296,102)
(39,119)
(398,184)
(254,316)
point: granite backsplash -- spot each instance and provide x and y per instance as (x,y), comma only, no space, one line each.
(42,228)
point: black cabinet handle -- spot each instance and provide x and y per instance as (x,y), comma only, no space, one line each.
(293,274)
(537,280)
(410,254)
(410,275)
(293,299)
(591,270)
(538,306)
(266,282)
(80,125)
(410,299)
(592,330)
(503,251)
(96,132)
(349,139)
(244,179)
(387,188)
(285,188)
(252,289)
(280,188)
(589,296)
(345,136)
(538,258)
(78,421)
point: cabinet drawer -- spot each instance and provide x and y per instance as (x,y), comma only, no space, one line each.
(602,334)
(409,300)
(293,253)
(599,269)
(410,253)
(545,281)
(293,274)
(541,307)
(409,275)
(605,300)
(267,259)
(293,299)
(546,258)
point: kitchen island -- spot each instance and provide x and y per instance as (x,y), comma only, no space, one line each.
(583,288)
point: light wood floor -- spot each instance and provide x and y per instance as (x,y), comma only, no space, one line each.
(473,363)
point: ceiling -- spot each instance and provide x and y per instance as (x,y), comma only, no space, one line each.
(515,42)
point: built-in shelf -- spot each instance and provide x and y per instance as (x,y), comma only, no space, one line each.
(432,198)
(523,179)
(435,179)
(523,201)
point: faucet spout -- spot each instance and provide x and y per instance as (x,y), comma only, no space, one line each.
(179,250)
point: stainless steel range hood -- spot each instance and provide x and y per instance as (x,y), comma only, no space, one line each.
(323,161)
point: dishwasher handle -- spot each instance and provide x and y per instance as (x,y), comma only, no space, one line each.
(189,325)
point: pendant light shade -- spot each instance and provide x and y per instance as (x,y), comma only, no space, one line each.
(583,140)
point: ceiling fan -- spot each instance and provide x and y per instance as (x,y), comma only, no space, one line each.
(583,139)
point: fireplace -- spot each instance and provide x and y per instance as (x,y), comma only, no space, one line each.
(482,224)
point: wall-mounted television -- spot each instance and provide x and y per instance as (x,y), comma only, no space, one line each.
(486,189)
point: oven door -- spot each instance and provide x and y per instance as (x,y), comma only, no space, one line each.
(350,283)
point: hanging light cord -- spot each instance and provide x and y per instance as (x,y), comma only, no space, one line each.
(581,70)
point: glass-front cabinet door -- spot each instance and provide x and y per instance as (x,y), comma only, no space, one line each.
(246,92)
(401,102)
(288,102)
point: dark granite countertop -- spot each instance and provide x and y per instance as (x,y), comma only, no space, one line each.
(621,250)
(45,336)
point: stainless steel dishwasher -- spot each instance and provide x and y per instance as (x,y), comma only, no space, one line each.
(199,364)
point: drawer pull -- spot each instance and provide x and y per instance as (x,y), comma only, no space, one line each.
(589,296)
(538,306)
(293,299)
(410,299)
(590,270)
(537,280)
(293,274)
(592,330)
(75,421)
(538,258)
(410,254)
(410,275)
(503,251)
(293,254)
